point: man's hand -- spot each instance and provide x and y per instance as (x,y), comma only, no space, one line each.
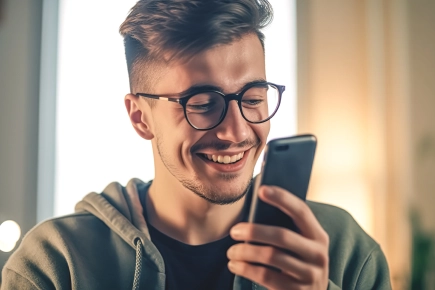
(307,268)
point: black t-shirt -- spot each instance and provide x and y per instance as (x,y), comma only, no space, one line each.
(193,267)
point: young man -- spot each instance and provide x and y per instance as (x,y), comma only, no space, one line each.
(199,94)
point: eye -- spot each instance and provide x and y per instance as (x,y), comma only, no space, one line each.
(252,102)
(204,103)
(255,96)
(200,107)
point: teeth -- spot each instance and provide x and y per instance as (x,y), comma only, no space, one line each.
(225,158)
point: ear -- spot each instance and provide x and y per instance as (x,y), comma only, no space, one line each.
(140,116)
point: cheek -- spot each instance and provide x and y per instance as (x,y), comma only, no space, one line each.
(175,134)
(262,131)
(169,123)
(168,118)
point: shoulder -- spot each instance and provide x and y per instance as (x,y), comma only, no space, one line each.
(54,239)
(42,256)
(326,212)
(56,249)
(356,259)
(341,226)
(55,236)
(66,227)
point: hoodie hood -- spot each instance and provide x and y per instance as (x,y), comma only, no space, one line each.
(121,210)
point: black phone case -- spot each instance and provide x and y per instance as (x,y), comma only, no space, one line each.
(287,163)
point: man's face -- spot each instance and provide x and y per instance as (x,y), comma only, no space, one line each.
(182,150)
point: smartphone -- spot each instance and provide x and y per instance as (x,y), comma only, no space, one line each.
(287,163)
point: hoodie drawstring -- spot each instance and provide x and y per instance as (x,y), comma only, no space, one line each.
(138,267)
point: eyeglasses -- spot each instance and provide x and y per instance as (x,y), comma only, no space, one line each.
(205,109)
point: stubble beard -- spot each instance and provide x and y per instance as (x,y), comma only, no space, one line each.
(195,185)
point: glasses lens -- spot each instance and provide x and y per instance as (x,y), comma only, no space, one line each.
(205,110)
(260,102)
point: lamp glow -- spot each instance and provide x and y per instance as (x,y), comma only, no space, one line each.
(10,233)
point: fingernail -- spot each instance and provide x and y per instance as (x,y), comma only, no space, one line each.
(236,231)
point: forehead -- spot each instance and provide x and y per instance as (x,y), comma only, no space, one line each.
(228,66)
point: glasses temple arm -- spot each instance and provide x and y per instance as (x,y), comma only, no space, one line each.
(175,100)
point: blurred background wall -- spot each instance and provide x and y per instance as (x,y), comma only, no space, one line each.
(20,42)
(366,86)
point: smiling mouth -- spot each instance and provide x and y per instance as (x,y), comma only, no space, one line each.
(224,159)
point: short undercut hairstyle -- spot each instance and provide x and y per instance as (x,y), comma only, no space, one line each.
(160,31)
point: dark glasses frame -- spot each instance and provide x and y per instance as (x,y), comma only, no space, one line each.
(182,100)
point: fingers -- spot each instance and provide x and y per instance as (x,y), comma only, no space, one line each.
(302,257)
(297,209)
(266,255)
(304,248)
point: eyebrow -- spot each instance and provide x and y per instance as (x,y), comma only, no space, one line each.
(199,88)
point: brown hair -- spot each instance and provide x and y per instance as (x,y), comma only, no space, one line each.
(164,30)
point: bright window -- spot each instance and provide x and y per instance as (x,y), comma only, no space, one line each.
(95,141)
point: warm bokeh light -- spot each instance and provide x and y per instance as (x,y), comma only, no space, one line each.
(10,233)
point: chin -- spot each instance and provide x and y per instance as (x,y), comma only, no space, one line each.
(229,189)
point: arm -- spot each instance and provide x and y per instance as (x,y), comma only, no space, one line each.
(375,273)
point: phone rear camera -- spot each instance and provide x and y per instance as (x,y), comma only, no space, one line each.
(281,148)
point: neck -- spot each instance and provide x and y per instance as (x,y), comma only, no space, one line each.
(181,214)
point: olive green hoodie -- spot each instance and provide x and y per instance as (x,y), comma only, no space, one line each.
(106,245)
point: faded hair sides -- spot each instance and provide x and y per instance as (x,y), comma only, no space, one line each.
(164,30)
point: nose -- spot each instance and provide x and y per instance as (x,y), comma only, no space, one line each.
(234,128)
